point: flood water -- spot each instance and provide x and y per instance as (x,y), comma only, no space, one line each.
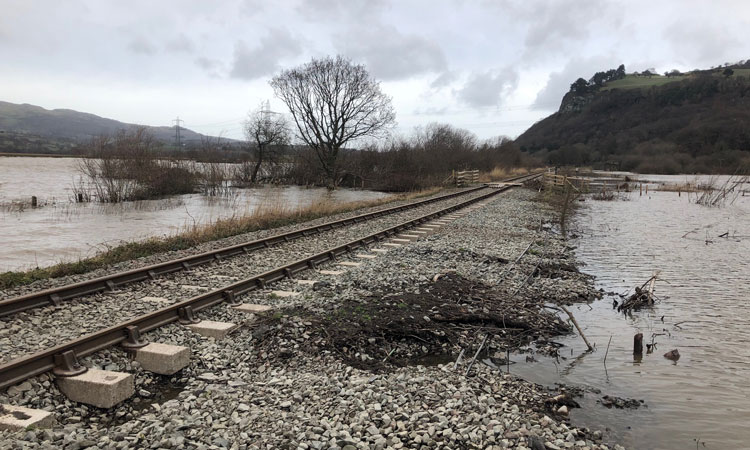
(61,230)
(703,399)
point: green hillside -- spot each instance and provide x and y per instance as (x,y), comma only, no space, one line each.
(12,142)
(698,122)
(632,81)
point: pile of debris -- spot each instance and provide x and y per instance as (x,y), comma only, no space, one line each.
(437,320)
(642,297)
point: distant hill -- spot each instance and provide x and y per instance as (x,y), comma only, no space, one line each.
(29,128)
(681,123)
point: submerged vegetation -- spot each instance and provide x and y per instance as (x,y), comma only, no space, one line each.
(131,165)
(126,166)
(723,193)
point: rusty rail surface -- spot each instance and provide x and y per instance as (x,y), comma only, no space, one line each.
(66,354)
(54,296)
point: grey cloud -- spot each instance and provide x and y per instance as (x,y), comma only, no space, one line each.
(549,97)
(488,88)
(250,63)
(391,55)
(555,25)
(180,44)
(443,80)
(252,7)
(212,66)
(430,111)
(207,63)
(141,46)
(702,43)
(335,10)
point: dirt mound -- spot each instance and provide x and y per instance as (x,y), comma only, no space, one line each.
(437,319)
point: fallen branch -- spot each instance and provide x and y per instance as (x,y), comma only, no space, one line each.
(476,355)
(507,268)
(607,352)
(573,319)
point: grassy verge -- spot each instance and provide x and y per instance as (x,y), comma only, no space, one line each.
(270,215)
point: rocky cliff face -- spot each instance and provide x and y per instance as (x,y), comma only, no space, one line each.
(573,102)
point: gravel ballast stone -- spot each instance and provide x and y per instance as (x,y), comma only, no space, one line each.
(274,382)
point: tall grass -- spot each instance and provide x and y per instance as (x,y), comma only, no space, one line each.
(500,173)
(271,214)
(723,193)
(694,185)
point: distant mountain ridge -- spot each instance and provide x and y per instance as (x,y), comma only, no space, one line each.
(73,126)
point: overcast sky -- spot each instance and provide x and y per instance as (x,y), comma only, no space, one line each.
(493,67)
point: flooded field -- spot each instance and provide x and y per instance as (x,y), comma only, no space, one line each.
(61,230)
(703,399)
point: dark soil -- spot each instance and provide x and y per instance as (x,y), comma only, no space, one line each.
(394,329)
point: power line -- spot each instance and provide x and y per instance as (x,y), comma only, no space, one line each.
(214,124)
(178,138)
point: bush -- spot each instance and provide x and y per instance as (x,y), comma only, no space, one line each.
(126,166)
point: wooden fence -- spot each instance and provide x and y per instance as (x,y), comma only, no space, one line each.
(560,181)
(466,177)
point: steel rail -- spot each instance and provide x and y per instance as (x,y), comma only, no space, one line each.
(56,295)
(26,367)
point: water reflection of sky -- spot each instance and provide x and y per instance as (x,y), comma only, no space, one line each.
(62,230)
(706,315)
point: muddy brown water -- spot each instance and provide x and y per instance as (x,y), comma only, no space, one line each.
(703,399)
(61,230)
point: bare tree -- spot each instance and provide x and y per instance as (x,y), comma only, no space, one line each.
(267,131)
(333,102)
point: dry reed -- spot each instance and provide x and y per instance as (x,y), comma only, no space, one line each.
(501,173)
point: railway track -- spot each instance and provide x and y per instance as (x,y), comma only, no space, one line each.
(55,296)
(63,357)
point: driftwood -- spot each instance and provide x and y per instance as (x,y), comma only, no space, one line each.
(510,266)
(638,344)
(607,352)
(479,350)
(642,297)
(575,322)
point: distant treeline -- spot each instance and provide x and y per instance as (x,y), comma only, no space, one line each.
(427,158)
(581,86)
(700,124)
(132,165)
